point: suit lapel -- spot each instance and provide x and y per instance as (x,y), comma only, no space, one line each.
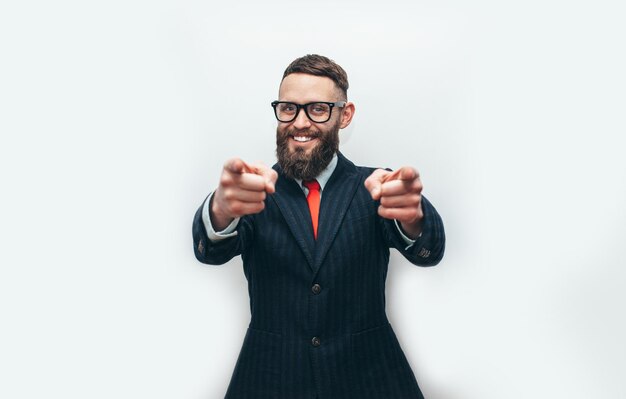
(292,204)
(336,198)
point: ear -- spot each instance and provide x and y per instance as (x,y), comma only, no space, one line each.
(347,112)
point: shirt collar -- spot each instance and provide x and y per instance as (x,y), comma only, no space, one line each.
(323,177)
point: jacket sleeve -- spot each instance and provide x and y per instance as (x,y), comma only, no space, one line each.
(219,252)
(429,247)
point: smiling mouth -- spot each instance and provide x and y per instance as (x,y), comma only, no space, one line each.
(303,139)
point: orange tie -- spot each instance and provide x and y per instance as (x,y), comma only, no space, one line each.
(314,202)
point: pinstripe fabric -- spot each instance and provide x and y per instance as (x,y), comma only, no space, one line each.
(358,355)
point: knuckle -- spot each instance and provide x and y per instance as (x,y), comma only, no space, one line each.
(227,194)
(226,180)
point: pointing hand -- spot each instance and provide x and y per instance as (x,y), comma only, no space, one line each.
(242,191)
(400,197)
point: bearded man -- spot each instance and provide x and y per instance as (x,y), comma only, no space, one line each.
(314,232)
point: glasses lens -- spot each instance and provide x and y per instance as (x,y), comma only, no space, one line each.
(318,112)
(285,112)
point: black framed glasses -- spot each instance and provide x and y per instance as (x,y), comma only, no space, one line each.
(318,112)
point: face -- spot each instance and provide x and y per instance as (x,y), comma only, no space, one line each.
(304,148)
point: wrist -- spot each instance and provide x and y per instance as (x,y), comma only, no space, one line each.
(411,229)
(219,220)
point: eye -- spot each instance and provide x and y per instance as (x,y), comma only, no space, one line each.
(287,107)
(319,108)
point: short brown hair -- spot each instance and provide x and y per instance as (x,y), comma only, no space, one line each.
(319,65)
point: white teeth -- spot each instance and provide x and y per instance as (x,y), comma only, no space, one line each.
(302,139)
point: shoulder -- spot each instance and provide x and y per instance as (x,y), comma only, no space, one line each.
(361,170)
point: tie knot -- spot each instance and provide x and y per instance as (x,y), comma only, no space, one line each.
(312,185)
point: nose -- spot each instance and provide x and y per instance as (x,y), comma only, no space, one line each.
(302,121)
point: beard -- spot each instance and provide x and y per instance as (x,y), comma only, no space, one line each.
(300,165)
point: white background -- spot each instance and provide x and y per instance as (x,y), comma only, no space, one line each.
(117,116)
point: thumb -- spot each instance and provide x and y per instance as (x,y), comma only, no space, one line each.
(405,173)
(374,183)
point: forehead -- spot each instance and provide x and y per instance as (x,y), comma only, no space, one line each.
(303,88)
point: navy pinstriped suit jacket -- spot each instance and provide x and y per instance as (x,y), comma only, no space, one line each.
(355,353)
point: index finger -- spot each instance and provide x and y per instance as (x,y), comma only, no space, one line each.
(405,173)
(237,165)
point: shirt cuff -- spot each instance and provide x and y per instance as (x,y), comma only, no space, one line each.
(409,242)
(229,231)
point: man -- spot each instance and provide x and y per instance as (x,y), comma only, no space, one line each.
(314,234)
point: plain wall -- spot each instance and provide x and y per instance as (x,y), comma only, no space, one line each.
(116,118)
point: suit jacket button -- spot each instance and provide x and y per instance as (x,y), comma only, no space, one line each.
(316,289)
(315,342)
